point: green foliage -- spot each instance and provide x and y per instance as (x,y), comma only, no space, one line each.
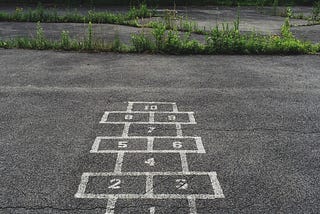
(220,40)
(316,11)
(141,43)
(285,29)
(89,40)
(158,33)
(289,12)
(275,7)
(65,40)
(141,12)
(42,15)
(41,41)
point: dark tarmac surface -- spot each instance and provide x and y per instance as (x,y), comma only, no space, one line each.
(258,117)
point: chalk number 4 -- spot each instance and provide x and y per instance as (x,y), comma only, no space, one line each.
(150,162)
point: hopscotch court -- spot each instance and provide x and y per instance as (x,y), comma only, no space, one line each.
(149,128)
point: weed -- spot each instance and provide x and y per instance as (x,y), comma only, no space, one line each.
(158,33)
(65,41)
(275,7)
(141,43)
(88,42)
(220,40)
(316,11)
(116,45)
(289,12)
(42,15)
(285,29)
(40,40)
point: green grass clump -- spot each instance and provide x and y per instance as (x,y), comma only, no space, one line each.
(41,15)
(222,40)
(316,11)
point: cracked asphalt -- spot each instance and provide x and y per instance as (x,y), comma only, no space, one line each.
(258,117)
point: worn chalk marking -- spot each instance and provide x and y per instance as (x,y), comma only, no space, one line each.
(138,102)
(216,185)
(192,205)
(146,112)
(191,118)
(150,144)
(119,162)
(144,196)
(179,129)
(111,205)
(104,174)
(95,146)
(213,178)
(200,145)
(126,129)
(146,137)
(152,210)
(145,151)
(82,185)
(151,117)
(149,185)
(141,122)
(104,117)
(175,108)
(184,162)
(129,107)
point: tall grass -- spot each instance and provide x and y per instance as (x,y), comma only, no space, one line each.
(220,40)
(42,15)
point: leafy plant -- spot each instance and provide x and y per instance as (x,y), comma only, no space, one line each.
(158,33)
(316,11)
(275,7)
(65,40)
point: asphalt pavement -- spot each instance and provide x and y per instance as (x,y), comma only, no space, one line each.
(257,117)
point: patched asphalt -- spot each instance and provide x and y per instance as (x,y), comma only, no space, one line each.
(258,117)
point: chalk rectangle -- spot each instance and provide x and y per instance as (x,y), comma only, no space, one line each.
(147,117)
(154,106)
(174,117)
(136,144)
(115,144)
(164,185)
